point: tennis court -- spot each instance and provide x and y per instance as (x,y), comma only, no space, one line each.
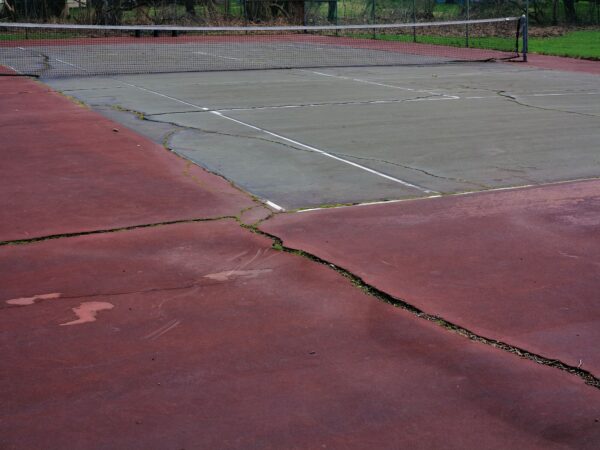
(310,137)
(356,244)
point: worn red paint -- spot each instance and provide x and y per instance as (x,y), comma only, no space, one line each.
(65,169)
(567,64)
(295,357)
(522,265)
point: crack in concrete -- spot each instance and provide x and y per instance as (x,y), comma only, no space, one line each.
(587,377)
(515,100)
(111,230)
(290,146)
(309,105)
(176,112)
(441,177)
(277,244)
(519,174)
(358,102)
(168,138)
(92,89)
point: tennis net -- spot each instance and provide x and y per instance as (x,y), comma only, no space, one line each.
(49,51)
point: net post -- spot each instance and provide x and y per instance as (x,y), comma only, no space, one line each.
(525,31)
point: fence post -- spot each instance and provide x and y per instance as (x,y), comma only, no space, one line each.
(372,11)
(525,37)
(373,18)
(467,26)
(414,17)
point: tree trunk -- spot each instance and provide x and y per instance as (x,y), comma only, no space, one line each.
(189,7)
(570,14)
(332,12)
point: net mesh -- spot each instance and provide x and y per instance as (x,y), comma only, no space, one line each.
(82,50)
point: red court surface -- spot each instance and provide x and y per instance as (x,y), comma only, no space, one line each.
(560,63)
(66,169)
(205,337)
(521,266)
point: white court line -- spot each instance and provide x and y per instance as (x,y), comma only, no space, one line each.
(286,139)
(554,94)
(275,206)
(162,95)
(558,94)
(324,153)
(455,194)
(375,83)
(69,64)
(218,56)
(12,68)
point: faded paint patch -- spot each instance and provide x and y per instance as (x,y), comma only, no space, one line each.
(162,330)
(230,274)
(24,301)
(86,312)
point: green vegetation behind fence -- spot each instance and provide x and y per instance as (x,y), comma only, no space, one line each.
(216,12)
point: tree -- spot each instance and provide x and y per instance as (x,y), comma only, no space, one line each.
(265,10)
(39,10)
(570,13)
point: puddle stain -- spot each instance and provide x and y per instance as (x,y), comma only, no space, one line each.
(25,301)
(86,312)
(230,274)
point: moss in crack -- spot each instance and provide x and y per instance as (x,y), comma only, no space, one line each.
(75,100)
(138,114)
(359,283)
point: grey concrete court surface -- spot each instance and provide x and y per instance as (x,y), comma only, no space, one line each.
(309,137)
